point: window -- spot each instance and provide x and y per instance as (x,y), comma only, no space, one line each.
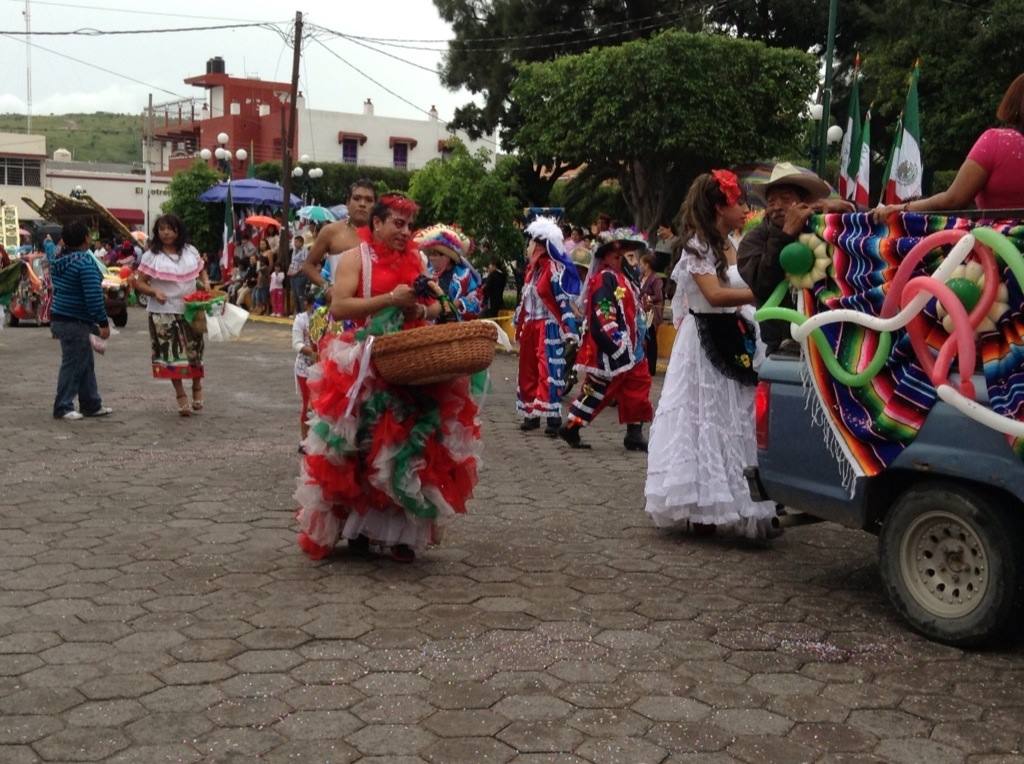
(20,172)
(401,155)
(350,150)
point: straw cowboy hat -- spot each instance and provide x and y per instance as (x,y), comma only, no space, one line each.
(788,174)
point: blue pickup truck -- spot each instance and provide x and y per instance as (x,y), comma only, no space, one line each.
(949,511)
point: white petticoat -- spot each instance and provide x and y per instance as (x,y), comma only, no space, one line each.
(701,439)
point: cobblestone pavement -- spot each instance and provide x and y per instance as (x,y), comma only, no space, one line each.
(154,606)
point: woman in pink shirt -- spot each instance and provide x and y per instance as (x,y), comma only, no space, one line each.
(992,176)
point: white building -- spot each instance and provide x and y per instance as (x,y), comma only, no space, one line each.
(22,171)
(25,171)
(369,139)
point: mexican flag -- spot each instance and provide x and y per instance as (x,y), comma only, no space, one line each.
(227,253)
(862,180)
(848,156)
(903,179)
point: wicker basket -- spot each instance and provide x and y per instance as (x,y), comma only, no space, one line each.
(432,354)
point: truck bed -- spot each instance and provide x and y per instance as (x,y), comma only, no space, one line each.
(797,469)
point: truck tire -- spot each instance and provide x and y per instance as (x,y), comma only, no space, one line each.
(120,319)
(12,320)
(952,563)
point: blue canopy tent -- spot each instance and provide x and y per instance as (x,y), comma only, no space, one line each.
(249,192)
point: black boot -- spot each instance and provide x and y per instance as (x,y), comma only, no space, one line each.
(530,423)
(571,435)
(634,440)
(554,425)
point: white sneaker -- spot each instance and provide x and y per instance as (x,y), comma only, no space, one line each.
(72,415)
(101,411)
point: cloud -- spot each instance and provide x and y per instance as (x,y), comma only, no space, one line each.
(113,98)
(11,104)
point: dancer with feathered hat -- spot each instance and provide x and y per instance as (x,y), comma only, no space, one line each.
(611,359)
(544,323)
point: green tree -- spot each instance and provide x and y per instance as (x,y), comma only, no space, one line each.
(650,109)
(205,222)
(970,52)
(333,187)
(593,190)
(464,190)
(493,37)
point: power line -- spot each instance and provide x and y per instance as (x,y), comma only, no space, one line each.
(100,68)
(131,10)
(665,21)
(502,38)
(92,32)
(389,55)
(385,88)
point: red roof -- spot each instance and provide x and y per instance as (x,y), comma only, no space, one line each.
(343,135)
(399,139)
(127,216)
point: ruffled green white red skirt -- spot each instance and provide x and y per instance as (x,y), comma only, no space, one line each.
(390,463)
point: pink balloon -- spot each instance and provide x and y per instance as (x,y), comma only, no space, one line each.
(960,343)
(905,272)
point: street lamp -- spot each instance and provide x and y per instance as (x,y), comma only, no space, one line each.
(315,173)
(834,134)
(223,154)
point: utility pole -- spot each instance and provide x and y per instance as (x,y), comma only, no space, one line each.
(286,145)
(147,127)
(28,65)
(826,98)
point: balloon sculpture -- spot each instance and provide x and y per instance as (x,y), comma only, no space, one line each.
(970,300)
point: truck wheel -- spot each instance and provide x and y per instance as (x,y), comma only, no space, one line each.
(143,300)
(12,320)
(121,319)
(951,563)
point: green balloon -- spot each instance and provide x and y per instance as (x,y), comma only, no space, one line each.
(966,291)
(796,259)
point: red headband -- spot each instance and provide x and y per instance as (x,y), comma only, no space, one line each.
(729,185)
(403,205)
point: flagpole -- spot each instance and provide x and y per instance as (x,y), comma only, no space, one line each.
(826,99)
(887,172)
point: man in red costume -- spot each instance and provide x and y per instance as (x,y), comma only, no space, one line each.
(384,464)
(545,323)
(612,354)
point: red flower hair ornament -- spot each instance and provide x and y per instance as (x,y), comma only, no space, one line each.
(729,185)
(401,204)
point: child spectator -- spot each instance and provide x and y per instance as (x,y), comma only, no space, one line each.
(261,295)
(305,349)
(277,291)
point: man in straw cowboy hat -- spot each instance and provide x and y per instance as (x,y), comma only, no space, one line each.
(545,323)
(611,358)
(792,195)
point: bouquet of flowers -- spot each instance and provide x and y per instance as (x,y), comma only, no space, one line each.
(202,304)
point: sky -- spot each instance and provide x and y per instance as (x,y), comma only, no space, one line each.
(163,61)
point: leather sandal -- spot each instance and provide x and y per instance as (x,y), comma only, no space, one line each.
(197,399)
(183,409)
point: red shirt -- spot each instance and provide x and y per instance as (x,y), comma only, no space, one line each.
(1001,152)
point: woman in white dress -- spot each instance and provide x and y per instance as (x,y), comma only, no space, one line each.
(703,432)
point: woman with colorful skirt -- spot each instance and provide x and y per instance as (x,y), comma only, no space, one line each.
(385,465)
(167,274)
